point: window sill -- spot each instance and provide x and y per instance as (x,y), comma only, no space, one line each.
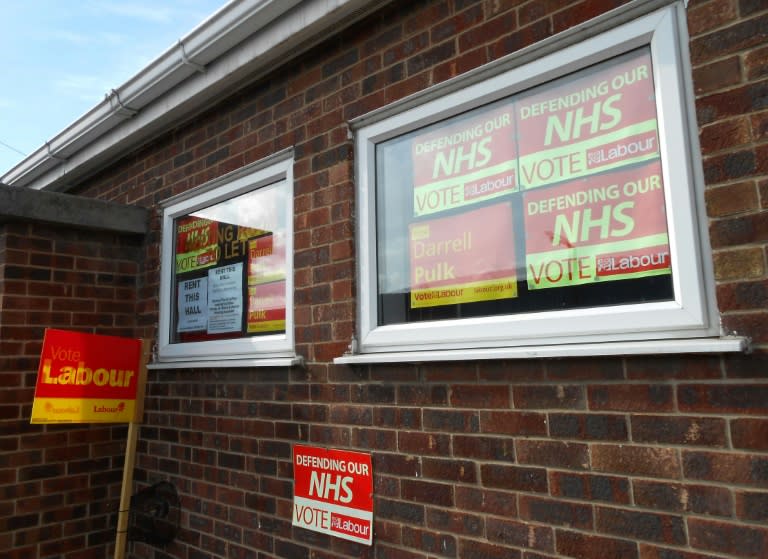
(657,347)
(296,360)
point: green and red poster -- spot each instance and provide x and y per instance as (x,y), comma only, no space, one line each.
(583,231)
(197,244)
(578,127)
(465,163)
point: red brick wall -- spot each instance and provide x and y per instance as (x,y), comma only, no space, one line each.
(729,54)
(656,457)
(59,485)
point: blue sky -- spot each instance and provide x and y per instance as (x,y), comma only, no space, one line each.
(60,57)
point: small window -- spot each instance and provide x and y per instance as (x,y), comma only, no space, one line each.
(227,268)
(548,199)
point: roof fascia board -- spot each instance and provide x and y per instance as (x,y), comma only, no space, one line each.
(242,40)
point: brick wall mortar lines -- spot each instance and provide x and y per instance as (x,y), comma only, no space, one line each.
(733,195)
(57,483)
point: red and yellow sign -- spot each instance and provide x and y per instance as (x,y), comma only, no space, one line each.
(333,492)
(266,259)
(197,245)
(266,307)
(604,120)
(612,227)
(87,378)
(461,259)
(465,162)
(266,284)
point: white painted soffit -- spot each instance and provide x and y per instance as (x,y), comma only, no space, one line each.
(244,39)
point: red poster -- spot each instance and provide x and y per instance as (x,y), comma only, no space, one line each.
(196,244)
(266,307)
(86,378)
(266,284)
(581,230)
(464,162)
(333,492)
(463,258)
(266,259)
(577,127)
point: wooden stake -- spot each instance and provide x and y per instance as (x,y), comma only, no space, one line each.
(130,455)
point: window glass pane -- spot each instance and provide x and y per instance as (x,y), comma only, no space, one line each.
(230,268)
(547,200)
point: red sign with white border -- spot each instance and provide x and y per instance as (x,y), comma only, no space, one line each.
(333,492)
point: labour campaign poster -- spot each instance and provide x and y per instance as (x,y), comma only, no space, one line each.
(197,245)
(86,378)
(333,492)
(460,259)
(466,162)
(266,284)
(575,127)
(610,227)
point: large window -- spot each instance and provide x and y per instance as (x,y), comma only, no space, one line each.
(552,198)
(227,274)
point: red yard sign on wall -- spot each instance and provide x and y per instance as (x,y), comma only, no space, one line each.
(87,378)
(333,492)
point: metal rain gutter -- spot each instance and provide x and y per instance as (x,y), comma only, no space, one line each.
(125,116)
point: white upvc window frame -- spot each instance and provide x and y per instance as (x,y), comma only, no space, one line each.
(250,351)
(692,316)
